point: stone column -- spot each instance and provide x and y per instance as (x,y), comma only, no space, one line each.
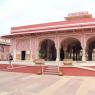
(83,43)
(14,49)
(83,54)
(31,55)
(37,53)
(58,54)
(57,46)
(14,55)
(37,49)
(31,48)
(93,55)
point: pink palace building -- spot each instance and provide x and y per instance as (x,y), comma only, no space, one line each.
(73,39)
(4,49)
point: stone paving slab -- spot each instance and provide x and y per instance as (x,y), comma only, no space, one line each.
(12,83)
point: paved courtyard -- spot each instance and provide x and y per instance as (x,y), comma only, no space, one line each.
(12,83)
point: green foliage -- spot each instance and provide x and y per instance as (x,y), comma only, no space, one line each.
(41,54)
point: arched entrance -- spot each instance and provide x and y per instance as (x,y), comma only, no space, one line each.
(71,49)
(47,50)
(90,49)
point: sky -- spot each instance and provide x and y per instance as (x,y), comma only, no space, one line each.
(27,12)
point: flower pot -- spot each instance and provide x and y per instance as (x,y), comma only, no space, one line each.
(39,61)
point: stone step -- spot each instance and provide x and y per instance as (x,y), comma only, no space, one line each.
(51,73)
(52,66)
(51,70)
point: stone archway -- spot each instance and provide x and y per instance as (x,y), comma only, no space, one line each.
(90,49)
(47,50)
(71,49)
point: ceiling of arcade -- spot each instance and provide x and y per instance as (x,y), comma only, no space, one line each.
(65,43)
(90,41)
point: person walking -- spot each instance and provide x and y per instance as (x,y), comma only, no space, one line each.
(10,60)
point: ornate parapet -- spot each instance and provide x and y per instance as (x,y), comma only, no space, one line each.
(78,15)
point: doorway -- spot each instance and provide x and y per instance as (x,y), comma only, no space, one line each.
(23,55)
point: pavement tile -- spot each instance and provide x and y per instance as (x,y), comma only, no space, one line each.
(91,92)
(69,88)
(28,84)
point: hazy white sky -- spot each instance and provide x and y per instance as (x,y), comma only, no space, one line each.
(27,12)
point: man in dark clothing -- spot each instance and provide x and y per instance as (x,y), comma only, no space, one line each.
(10,60)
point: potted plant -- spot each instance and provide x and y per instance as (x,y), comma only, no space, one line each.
(67,61)
(41,54)
(40,60)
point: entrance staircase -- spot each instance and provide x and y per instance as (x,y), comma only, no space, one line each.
(51,70)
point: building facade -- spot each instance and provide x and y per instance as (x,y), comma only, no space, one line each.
(73,39)
(4,49)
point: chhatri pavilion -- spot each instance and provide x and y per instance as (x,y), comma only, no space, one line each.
(73,38)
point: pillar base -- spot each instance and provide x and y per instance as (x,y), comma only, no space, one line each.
(57,59)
